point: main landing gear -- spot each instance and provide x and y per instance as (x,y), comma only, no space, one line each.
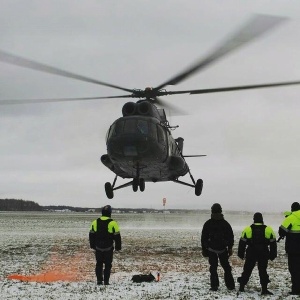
(198,185)
(139,183)
(136,183)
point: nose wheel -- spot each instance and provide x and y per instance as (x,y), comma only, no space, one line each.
(142,184)
(135,184)
(138,183)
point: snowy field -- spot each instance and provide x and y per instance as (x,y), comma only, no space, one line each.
(47,256)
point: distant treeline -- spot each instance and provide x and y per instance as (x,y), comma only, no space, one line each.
(19,205)
(66,208)
(25,205)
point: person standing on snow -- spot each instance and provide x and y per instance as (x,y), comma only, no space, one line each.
(104,232)
(294,207)
(290,228)
(260,241)
(217,241)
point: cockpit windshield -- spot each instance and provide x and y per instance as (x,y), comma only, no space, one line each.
(142,126)
(131,126)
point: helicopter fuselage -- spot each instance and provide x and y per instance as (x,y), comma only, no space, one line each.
(139,145)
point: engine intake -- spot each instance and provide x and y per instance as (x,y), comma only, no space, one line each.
(145,108)
(129,109)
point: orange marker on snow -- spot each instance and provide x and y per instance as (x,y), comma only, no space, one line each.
(158,276)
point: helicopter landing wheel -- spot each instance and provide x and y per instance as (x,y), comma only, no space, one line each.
(142,184)
(109,190)
(135,184)
(198,187)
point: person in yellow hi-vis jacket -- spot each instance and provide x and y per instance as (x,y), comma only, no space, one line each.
(290,228)
(260,241)
(104,233)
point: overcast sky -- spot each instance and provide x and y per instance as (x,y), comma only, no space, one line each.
(49,153)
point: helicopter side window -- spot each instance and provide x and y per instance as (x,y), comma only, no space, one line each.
(160,134)
(142,126)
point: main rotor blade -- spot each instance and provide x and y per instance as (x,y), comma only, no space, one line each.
(30,64)
(174,110)
(32,101)
(232,88)
(251,30)
(194,155)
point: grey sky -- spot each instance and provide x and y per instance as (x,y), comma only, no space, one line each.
(49,153)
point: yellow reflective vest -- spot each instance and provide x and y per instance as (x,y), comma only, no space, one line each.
(290,228)
(263,245)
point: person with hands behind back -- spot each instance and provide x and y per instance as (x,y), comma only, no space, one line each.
(259,243)
(217,241)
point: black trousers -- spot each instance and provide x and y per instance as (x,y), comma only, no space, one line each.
(103,258)
(213,259)
(262,263)
(294,269)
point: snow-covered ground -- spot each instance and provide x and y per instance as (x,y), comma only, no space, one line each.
(49,255)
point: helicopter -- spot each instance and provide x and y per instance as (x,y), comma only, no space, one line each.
(140,145)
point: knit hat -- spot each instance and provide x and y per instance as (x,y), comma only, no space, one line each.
(216,208)
(258,218)
(106,211)
(295,206)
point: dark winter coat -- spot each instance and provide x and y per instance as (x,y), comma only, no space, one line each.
(217,234)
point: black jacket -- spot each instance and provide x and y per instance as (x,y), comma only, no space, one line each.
(217,234)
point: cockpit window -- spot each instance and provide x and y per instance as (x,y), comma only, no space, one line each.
(118,127)
(136,126)
(142,126)
(130,126)
(133,126)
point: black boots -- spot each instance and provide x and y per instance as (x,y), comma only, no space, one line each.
(242,288)
(294,293)
(265,291)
